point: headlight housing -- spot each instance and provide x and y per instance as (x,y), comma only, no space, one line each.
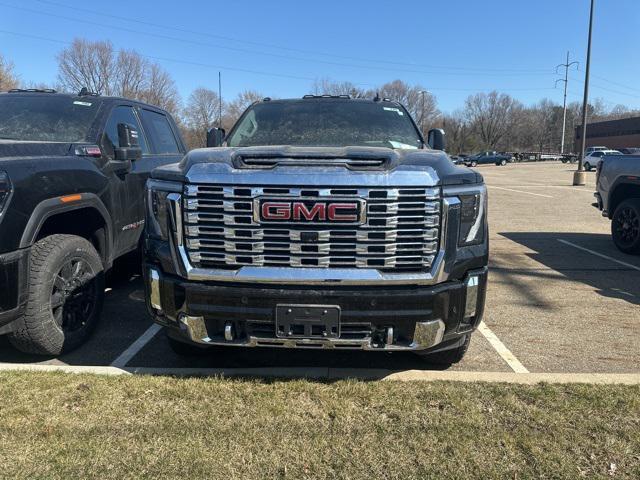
(159,219)
(5,190)
(473,211)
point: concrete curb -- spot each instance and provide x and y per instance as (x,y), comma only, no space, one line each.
(324,373)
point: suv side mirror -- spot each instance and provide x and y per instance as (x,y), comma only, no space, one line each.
(436,139)
(215,137)
(129,141)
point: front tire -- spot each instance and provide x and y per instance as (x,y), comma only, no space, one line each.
(587,166)
(503,162)
(474,164)
(64,299)
(625,226)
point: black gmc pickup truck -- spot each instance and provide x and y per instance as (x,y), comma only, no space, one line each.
(72,175)
(321,222)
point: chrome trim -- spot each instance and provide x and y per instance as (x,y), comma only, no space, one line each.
(317,276)
(155,299)
(472,285)
(426,335)
(257,220)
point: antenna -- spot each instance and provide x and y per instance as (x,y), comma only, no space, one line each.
(219,100)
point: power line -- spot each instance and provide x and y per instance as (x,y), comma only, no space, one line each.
(258,72)
(172,60)
(262,44)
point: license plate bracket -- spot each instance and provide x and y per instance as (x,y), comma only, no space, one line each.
(308,321)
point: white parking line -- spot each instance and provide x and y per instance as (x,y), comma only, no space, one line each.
(634,267)
(502,350)
(126,356)
(520,191)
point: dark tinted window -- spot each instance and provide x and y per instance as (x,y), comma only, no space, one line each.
(46,118)
(326,123)
(162,137)
(122,114)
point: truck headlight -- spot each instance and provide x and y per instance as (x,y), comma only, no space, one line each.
(5,190)
(473,211)
(157,207)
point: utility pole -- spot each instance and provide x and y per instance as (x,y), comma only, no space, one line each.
(564,103)
(579,176)
(219,100)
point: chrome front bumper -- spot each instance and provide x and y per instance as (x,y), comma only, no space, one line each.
(426,335)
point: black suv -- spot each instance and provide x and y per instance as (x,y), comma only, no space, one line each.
(72,177)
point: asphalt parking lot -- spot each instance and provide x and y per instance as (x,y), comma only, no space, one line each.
(561,297)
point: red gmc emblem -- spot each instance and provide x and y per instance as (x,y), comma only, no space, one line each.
(313,211)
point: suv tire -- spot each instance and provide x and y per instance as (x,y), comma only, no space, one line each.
(625,226)
(64,298)
(502,163)
(587,166)
(447,357)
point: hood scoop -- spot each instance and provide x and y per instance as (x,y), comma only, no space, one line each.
(354,158)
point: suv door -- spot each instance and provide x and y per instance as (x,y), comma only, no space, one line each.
(127,193)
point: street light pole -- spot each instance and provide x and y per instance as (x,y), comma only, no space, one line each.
(579,176)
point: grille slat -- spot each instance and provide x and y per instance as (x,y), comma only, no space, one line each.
(401,232)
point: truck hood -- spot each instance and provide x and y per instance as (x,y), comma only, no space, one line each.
(287,165)
(15,149)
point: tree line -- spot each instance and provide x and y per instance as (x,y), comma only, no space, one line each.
(492,121)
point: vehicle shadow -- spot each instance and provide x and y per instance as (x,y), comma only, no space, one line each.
(559,251)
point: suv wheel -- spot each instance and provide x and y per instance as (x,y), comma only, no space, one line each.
(64,299)
(587,166)
(474,164)
(625,226)
(448,357)
(502,162)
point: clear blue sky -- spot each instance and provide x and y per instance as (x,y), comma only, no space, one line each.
(453,47)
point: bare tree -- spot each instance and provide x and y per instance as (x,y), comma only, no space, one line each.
(237,106)
(88,64)
(422,106)
(200,114)
(492,116)
(8,78)
(102,69)
(160,89)
(326,86)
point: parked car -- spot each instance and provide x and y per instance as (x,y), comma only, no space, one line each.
(483,158)
(274,238)
(459,159)
(630,151)
(595,149)
(618,197)
(72,175)
(592,159)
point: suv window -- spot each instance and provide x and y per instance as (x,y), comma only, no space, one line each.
(597,154)
(163,139)
(122,114)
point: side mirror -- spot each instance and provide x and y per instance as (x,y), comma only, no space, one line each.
(129,149)
(215,137)
(436,139)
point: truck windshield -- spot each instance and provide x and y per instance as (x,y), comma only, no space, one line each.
(44,118)
(326,123)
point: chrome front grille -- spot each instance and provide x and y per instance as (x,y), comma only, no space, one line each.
(401,231)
